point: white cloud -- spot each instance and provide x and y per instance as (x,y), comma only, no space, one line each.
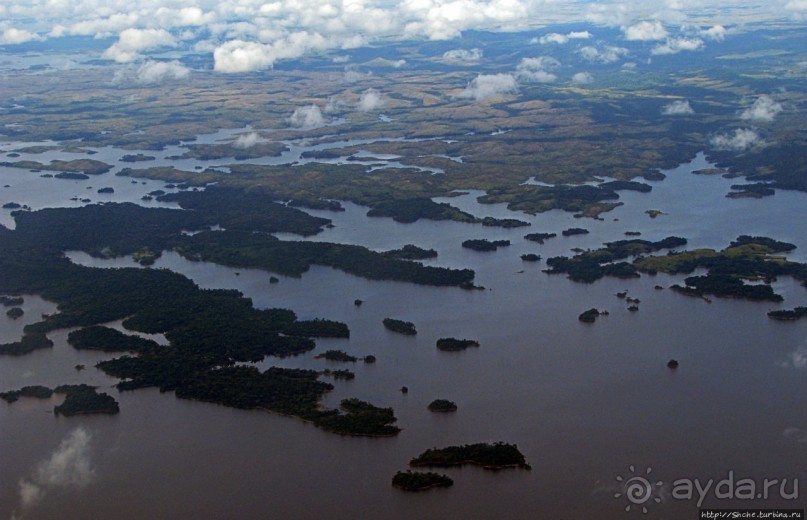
(677,108)
(797,359)
(67,467)
(535,70)
(764,109)
(12,36)
(582,78)
(796,434)
(741,139)
(609,14)
(463,54)
(676,45)
(446,19)
(354,76)
(370,100)
(132,42)
(306,117)
(562,38)
(716,33)
(153,72)
(798,7)
(247,56)
(488,85)
(245,141)
(607,54)
(645,31)
(334,105)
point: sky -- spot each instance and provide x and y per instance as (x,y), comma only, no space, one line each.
(250,35)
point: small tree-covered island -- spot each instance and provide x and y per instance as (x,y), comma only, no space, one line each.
(407,328)
(498,455)
(420,481)
(455,345)
(78,400)
(442,406)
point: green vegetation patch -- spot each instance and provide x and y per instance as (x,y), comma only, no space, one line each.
(107,339)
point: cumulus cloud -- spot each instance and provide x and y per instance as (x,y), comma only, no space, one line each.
(536,70)
(716,33)
(764,109)
(245,141)
(677,108)
(562,38)
(67,467)
(645,31)
(370,100)
(155,72)
(488,85)
(676,45)
(582,78)
(248,56)
(446,19)
(463,54)
(132,42)
(12,36)
(607,54)
(307,117)
(740,140)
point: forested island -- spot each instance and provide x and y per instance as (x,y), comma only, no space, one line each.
(78,400)
(746,259)
(574,231)
(455,345)
(590,266)
(788,315)
(35,391)
(485,245)
(589,316)
(84,400)
(420,481)
(411,252)
(337,355)
(539,237)
(406,328)
(490,456)
(442,406)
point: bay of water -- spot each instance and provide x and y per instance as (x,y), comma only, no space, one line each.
(583,402)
